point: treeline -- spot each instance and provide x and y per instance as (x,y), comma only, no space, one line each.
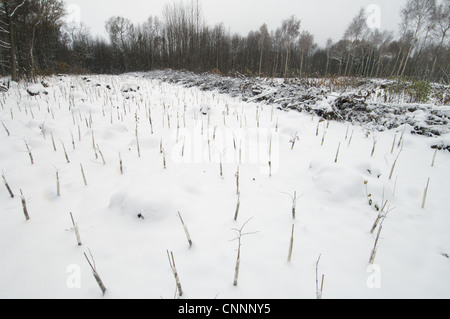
(34,40)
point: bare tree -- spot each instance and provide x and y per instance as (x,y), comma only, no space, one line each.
(8,9)
(264,39)
(416,17)
(305,43)
(355,32)
(441,23)
(290,29)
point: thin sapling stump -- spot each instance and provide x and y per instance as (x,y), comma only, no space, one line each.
(101,154)
(375,246)
(291,245)
(29,153)
(380,217)
(24,205)
(58,187)
(434,157)
(120,164)
(239,235)
(77,231)
(188,236)
(237,181)
(53,141)
(95,273)
(374,146)
(319,291)
(7,131)
(395,163)
(425,193)
(337,153)
(7,186)
(65,153)
(238,205)
(175,273)
(294,203)
(83,175)
(294,139)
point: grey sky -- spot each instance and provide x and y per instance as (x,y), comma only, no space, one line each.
(323,18)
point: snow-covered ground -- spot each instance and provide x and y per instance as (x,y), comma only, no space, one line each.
(343,175)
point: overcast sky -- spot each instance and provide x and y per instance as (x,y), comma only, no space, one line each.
(323,18)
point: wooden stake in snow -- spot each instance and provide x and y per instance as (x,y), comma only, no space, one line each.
(95,273)
(188,236)
(425,194)
(291,246)
(75,228)
(24,206)
(175,273)
(7,186)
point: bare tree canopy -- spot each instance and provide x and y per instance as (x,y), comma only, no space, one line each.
(35,40)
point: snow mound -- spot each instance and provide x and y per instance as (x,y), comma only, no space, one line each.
(339,184)
(134,205)
(35,89)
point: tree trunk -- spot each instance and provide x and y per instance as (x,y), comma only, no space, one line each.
(14,76)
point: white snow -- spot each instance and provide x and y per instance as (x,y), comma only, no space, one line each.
(40,257)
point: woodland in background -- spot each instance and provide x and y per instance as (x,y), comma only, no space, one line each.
(34,40)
